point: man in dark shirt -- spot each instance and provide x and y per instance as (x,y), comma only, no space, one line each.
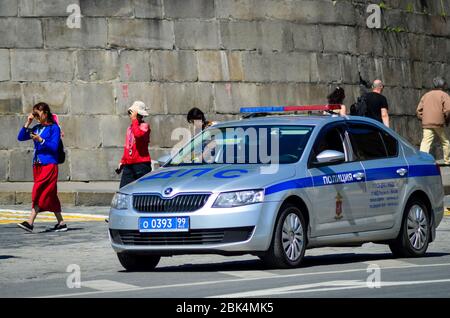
(377,105)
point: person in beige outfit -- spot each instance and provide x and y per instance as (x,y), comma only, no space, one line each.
(434,112)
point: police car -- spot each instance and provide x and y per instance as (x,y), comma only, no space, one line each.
(273,186)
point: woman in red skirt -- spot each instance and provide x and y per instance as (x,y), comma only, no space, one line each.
(46,137)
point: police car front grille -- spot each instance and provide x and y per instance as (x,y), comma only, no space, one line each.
(180,203)
(194,237)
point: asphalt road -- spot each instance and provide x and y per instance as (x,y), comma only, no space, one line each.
(35,265)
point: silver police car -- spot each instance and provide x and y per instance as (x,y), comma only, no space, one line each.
(274,186)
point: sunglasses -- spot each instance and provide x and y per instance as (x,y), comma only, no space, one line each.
(129,112)
(36,115)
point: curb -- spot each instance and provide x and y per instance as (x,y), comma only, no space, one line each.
(446,189)
(76,198)
(14,216)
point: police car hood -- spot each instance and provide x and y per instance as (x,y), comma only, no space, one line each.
(210,178)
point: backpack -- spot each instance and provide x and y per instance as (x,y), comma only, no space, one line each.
(61,152)
(360,107)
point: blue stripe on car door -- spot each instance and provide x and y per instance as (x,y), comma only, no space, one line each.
(371,175)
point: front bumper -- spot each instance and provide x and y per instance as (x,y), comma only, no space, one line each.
(243,229)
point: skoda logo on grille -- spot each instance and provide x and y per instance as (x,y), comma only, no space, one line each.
(168,191)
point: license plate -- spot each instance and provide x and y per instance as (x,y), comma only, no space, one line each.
(164,224)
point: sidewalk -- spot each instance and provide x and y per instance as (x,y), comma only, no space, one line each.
(445,171)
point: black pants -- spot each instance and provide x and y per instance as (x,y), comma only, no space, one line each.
(133,172)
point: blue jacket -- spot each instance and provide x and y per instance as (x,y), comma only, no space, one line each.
(47,151)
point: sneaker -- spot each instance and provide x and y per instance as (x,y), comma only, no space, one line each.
(26,226)
(58,228)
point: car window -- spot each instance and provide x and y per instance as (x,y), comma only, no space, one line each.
(368,142)
(391,144)
(330,138)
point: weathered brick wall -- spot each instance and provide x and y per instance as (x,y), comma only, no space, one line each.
(214,54)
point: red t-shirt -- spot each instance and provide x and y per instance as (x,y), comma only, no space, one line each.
(137,141)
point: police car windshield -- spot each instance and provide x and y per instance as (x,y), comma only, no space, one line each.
(245,145)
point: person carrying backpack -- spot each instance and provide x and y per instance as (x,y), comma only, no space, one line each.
(377,104)
(47,148)
(371,104)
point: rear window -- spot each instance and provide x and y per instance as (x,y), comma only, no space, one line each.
(370,143)
(391,144)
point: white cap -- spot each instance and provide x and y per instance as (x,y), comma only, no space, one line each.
(139,107)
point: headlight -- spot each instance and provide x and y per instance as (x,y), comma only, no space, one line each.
(239,198)
(120,201)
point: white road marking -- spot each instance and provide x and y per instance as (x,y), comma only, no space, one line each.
(389,263)
(289,289)
(225,281)
(337,285)
(107,285)
(250,274)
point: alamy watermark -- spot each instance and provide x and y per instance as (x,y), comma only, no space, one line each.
(374,278)
(374,19)
(232,145)
(74,19)
(74,278)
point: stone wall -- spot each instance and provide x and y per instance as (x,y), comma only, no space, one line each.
(214,54)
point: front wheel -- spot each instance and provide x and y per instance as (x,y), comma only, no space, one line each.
(134,262)
(289,240)
(414,235)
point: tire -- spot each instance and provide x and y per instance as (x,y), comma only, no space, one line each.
(414,235)
(134,262)
(287,251)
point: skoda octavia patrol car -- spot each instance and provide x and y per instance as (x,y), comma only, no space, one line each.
(275,186)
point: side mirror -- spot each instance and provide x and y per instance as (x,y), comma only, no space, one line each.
(162,160)
(329,156)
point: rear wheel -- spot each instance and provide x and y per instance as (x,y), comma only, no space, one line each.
(289,240)
(414,235)
(135,262)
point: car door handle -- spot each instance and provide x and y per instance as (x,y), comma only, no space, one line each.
(402,172)
(359,176)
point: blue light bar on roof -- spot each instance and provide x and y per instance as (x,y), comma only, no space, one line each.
(271,109)
(262,109)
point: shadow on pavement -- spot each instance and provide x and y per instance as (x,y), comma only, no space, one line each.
(249,265)
(348,258)
(70,229)
(309,261)
(2,257)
